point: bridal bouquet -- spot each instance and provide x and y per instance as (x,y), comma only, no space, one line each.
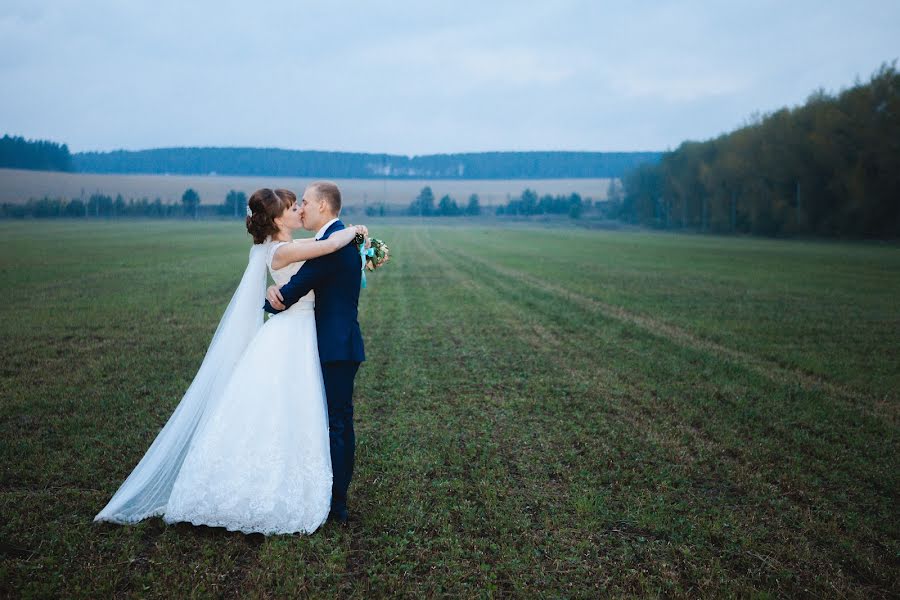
(377,254)
(374,255)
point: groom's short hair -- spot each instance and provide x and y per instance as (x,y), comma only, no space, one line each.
(328,191)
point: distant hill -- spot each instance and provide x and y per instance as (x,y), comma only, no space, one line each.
(307,163)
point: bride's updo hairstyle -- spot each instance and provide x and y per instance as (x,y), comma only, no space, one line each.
(263,208)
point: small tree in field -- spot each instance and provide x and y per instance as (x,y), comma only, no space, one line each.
(447,207)
(575,206)
(423,205)
(236,203)
(190,199)
(473,208)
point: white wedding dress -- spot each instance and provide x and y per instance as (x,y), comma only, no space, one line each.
(255,456)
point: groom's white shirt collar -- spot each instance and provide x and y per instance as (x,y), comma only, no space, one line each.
(325,227)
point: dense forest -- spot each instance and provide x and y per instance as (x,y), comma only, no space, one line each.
(303,163)
(830,167)
(19,153)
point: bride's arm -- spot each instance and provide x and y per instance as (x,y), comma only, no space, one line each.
(307,249)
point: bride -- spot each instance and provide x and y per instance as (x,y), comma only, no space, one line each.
(247,447)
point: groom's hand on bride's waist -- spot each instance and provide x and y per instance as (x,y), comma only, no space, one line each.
(274,299)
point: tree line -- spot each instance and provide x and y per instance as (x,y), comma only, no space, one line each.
(19,153)
(301,163)
(234,205)
(424,205)
(527,204)
(106,206)
(830,167)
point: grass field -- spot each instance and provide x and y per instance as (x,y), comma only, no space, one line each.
(18,185)
(544,412)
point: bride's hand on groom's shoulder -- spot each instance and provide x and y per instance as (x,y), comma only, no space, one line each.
(360,230)
(273,295)
(360,233)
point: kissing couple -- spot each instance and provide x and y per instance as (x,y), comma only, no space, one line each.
(263,439)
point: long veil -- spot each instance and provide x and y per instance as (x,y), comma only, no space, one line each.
(146,491)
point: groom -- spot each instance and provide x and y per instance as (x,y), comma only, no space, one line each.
(335,278)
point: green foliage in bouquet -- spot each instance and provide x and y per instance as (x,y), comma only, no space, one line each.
(380,254)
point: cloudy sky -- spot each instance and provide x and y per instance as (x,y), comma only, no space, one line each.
(422,77)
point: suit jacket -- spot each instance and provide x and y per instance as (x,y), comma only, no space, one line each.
(335,278)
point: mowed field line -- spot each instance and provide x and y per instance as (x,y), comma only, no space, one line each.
(884,408)
(545,342)
(558,492)
(689,451)
(550,346)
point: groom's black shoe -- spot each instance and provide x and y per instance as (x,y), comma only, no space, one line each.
(338,515)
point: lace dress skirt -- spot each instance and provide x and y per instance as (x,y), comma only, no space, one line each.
(260,460)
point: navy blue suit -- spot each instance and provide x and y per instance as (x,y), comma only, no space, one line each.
(335,278)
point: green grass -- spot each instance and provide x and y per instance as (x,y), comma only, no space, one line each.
(544,412)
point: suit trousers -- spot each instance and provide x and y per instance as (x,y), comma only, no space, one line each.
(339,377)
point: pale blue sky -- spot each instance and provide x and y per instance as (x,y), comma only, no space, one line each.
(422,77)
